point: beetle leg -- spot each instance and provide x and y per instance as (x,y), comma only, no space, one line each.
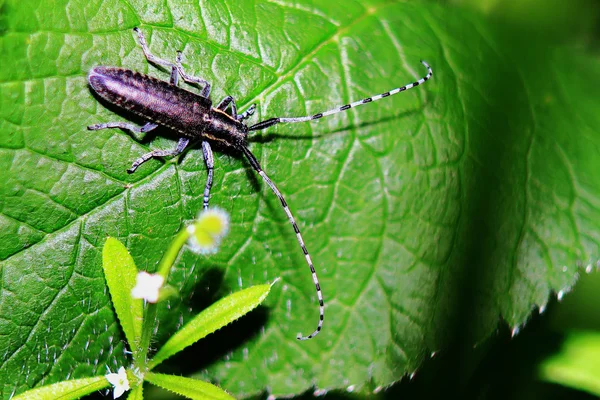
(205,92)
(210,164)
(181,145)
(151,57)
(247,113)
(174,75)
(228,101)
(137,131)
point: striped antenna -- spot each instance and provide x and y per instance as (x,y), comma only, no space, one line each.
(272,121)
(254,162)
(259,170)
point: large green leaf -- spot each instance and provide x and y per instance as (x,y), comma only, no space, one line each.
(430,215)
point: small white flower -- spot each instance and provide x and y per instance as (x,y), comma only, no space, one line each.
(147,286)
(119,382)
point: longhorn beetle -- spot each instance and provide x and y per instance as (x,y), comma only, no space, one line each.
(193,116)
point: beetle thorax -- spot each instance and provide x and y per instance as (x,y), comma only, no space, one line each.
(223,128)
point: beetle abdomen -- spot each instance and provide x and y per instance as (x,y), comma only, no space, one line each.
(154,100)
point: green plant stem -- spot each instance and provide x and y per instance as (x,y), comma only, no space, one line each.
(150,315)
(169,258)
(147,329)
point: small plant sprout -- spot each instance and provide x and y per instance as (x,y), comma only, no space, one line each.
(127,287)
(193,117)
(119,382)
(208,230)
(147,286)
(204,236)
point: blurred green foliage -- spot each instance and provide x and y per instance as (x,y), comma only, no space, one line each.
(576,22)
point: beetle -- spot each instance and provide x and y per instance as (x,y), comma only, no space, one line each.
(193,117)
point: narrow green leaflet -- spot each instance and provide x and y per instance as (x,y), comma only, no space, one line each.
(576,364)
(137,393)
(66,390)
(190,388)
(433,214)
(211,319)
(121,272)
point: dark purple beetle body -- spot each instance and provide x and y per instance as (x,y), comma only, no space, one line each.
(168,105)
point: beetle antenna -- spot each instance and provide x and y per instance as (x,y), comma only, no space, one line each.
(254,162)
(272,121)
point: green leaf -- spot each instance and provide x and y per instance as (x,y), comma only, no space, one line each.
(218,315)
(190,388)
(430,215)
(576,364)
(65,390)
(137,393)
(121,272)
